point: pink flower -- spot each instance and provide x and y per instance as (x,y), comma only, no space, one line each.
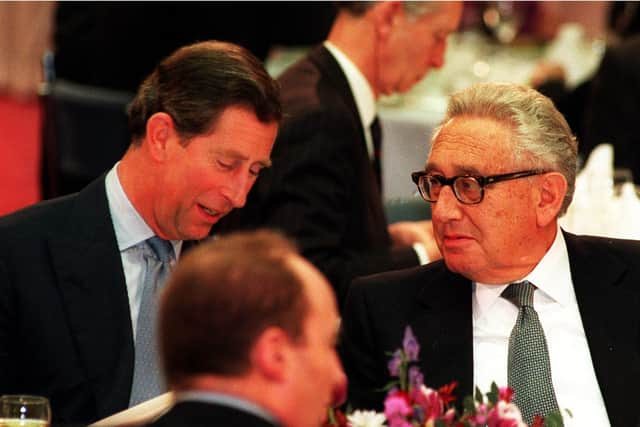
(505,394)
(505,415)
(481,415)
(397,409)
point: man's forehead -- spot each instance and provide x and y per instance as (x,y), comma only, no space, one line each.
(470,145)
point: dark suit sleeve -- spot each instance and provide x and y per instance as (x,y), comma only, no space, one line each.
(6,310)
(310,196)
(366,372)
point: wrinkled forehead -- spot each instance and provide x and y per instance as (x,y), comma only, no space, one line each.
(472,145)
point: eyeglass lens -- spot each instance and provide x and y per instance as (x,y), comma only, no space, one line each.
(466,188)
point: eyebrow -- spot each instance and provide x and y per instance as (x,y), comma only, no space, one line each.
(266,163)
(459,170)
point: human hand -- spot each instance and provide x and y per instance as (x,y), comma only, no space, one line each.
(406,233)
(545,71)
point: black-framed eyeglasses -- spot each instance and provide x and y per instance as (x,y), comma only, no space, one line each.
(468,189)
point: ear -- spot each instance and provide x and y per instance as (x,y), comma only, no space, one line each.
(271,354)
(160,130)
(553,187)
(383,14)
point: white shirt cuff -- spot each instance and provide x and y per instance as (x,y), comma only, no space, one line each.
(421,252)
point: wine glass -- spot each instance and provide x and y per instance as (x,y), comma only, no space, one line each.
(24,411)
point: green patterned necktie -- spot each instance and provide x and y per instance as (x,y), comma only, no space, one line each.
(529,371)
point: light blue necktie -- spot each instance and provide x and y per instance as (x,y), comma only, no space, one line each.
(147,379)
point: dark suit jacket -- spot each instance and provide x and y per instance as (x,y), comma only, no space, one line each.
(195,414)
(65,324)
(437,305)
(322,189)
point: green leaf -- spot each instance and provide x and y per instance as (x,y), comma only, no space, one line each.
(390,385)
(493,394)
(332,417)
(554,419)
(469,406)
(479,396)
(440,423)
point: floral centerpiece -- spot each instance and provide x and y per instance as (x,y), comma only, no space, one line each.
(410,403)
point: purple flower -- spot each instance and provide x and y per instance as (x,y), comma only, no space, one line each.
(416,379)
(410,345)
(394,364)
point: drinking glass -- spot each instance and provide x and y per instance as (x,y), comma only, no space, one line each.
(24,411)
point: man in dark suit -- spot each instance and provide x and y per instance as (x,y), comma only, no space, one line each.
(73,271)
(247,332)
(325,189)
(501,170)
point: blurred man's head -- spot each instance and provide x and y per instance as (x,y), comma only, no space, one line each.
(203,125)
(247,316)
(493,228)
(395,44)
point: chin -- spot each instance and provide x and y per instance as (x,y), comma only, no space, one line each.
(195,232)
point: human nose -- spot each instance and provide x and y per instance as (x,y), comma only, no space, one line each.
(340,385)
(237,189)
(447,207)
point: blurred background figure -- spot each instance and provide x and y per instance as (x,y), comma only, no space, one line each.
(248,330)
(325,187)
(25,35)
(605,107)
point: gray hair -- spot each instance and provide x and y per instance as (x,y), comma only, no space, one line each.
(412,8)
(544,138)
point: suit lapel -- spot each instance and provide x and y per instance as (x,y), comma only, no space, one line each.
(330,69)
(444,329)
(605,308)
(91,279)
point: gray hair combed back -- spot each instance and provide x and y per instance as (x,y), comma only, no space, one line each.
(414,9)
(544,138)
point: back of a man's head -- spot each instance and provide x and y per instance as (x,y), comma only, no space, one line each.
(221,297)
(196,83)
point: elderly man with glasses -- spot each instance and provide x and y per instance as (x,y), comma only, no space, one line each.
(515,300)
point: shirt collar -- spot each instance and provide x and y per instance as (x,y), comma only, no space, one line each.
(226,400)
(552,276)
(360,87)
(129,226)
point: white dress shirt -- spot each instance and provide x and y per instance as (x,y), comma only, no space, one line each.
(361,90)
(572,371)
(130,230)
